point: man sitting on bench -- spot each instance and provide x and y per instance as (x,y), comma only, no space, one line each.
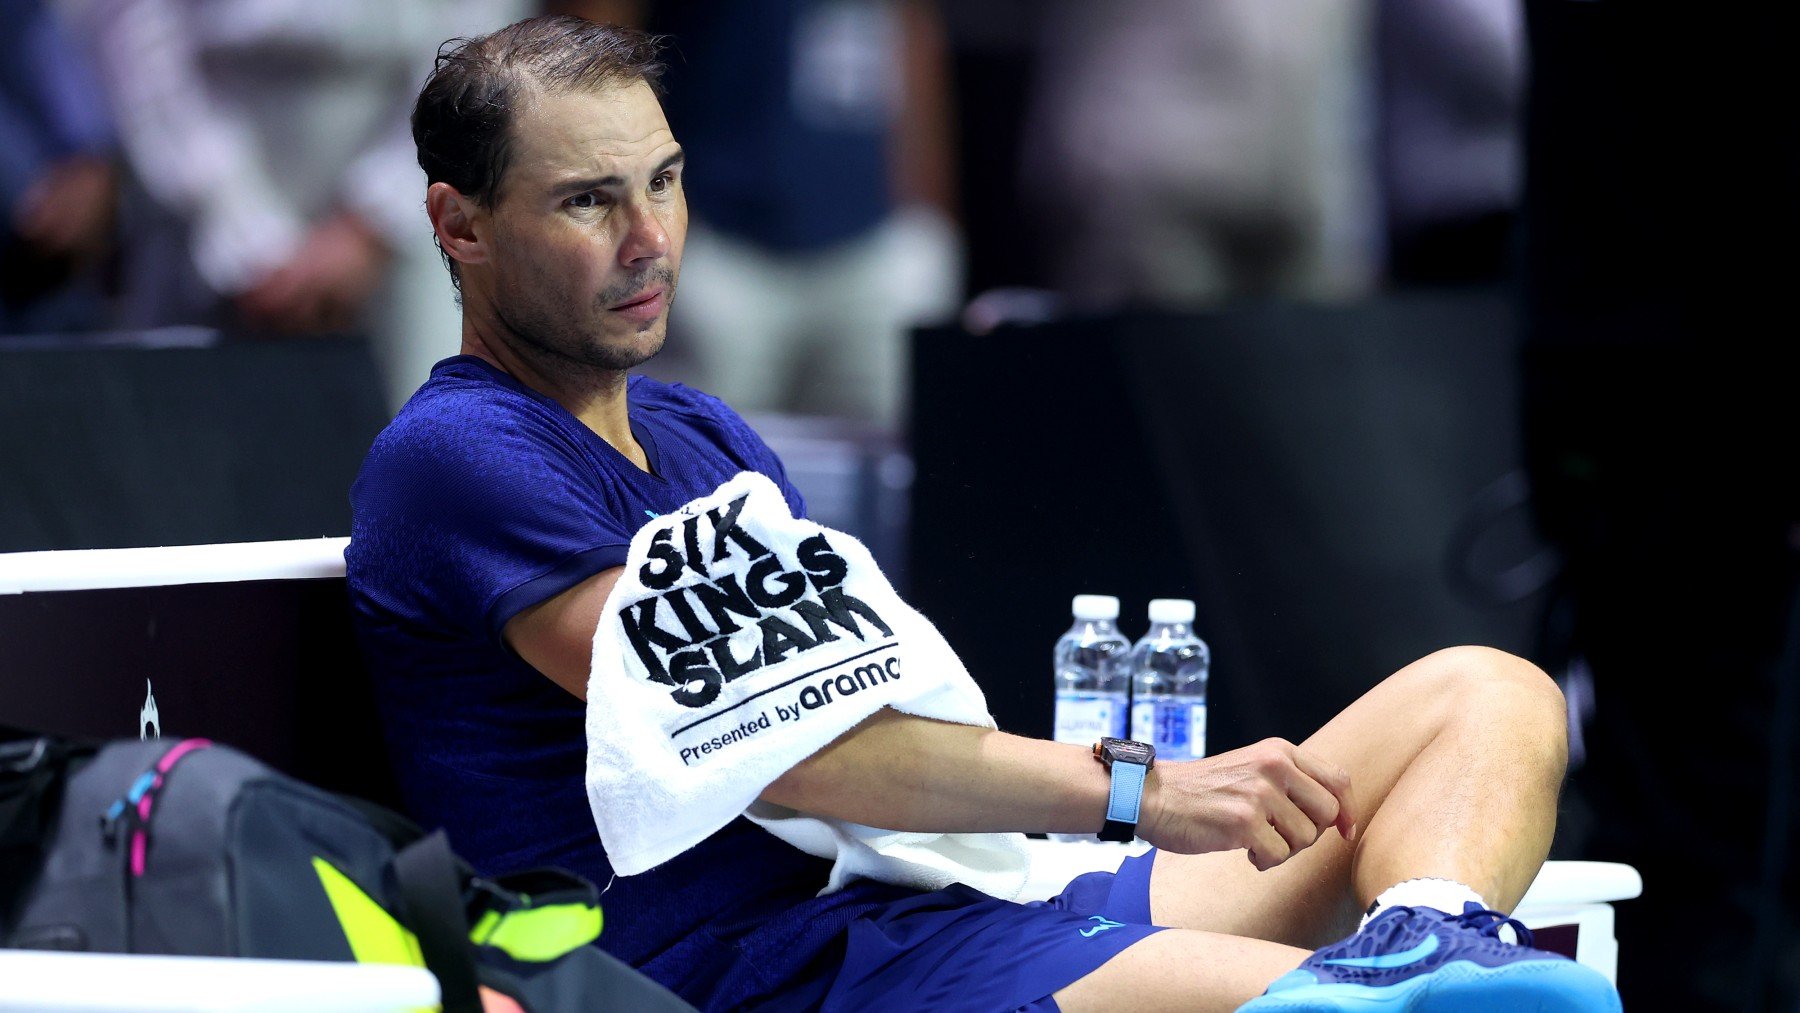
(492,519)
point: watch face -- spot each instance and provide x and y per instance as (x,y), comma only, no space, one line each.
(1129,751)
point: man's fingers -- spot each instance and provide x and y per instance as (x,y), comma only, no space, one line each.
(1335,780)
(1314,800)
(1347,825)
(1297,830)
(1268,849)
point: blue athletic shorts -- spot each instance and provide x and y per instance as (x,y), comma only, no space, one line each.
(959,949)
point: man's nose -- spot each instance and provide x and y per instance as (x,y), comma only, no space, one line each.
(646,237)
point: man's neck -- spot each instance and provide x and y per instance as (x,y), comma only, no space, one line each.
(596,397)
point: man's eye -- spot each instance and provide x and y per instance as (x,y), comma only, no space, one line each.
(661,183)
(584,200)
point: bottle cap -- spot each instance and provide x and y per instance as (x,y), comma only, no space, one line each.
(1171,610)
(1095,606)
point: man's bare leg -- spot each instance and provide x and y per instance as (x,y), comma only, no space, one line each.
(1182,969)
(1455,763)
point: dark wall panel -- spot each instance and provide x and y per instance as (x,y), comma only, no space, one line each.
(113,447)
(269,666)
(1299,472)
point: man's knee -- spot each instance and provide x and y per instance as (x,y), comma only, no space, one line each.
(1481,682)
(1475,669)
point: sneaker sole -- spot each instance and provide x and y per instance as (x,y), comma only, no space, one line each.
(1534,986)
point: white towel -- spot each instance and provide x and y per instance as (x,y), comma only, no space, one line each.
(737,642)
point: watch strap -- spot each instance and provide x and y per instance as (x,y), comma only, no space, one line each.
(1123,801)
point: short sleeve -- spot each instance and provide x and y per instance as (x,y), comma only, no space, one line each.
(460,522)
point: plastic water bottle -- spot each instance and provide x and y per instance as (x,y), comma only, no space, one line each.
(1168,683)
(1092,686)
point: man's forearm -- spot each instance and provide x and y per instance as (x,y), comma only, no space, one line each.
(901,772)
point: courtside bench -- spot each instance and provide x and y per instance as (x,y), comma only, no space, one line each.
(250,643)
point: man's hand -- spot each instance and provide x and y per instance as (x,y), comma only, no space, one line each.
(1272,798)
(325,284)
(68,213)
(493,1001)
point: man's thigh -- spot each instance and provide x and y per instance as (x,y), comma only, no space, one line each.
(1182,969)
(1304,902)
(1309,900)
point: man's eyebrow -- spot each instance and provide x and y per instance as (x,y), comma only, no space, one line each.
(679,157)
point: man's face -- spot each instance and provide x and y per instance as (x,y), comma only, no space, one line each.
(588,226)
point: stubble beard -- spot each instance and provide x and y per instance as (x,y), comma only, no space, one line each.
(550,335)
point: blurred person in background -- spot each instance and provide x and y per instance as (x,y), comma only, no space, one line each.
(825,226)
(1187,153)
(271,183)
(57,183)
(1451,84)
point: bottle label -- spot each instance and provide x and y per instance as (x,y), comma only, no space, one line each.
(1085,719)
(1196,730)
(1143,721)
(1163,724)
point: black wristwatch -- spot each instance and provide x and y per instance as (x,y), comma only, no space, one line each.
(1129,762)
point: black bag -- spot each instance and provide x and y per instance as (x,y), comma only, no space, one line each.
(190,848)
(32,772)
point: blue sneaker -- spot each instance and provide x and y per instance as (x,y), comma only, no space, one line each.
(1419,959)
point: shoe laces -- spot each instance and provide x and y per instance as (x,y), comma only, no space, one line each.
(1489,923)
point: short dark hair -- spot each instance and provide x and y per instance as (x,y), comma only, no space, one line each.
(462,122)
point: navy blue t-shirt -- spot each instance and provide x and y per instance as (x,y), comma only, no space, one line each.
(482,498)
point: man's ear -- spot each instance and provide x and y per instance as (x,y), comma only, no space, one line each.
(453,218)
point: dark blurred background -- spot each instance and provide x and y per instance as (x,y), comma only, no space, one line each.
(1371,326)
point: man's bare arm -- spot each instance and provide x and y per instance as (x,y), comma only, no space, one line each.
(902,772)
(556,636)
(894,770)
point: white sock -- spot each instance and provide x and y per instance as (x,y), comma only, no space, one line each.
(1446,895)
